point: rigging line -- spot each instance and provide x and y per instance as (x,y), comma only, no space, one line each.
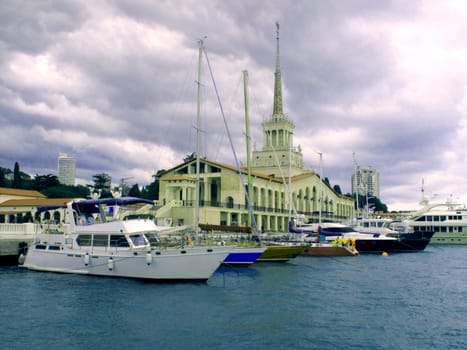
(232,106)
(230,140)
(262,113)
(176,111)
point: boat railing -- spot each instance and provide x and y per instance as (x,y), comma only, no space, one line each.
(28,229)
(16,228)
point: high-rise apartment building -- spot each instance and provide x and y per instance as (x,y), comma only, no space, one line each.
(366,181)
(66,169)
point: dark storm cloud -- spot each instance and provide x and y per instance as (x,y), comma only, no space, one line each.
(29,26)
(113,83)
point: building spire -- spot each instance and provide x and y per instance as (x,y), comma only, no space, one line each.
(277,110)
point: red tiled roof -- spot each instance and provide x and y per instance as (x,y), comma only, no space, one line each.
(34,202)
(18,192)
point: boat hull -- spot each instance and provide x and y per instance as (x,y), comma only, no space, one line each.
(281,253)
(243,256)
(449,238)
(189,264)
(318,249)
(402,244)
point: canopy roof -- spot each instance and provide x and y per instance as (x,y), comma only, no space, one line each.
(92,205)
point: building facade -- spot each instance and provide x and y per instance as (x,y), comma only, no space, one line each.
(223,199)
(66,169)
(20,206)
(365,181)
(279,188)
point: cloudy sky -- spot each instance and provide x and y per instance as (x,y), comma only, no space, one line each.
(113,84)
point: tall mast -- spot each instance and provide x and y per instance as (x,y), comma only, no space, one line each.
(247,132)
(198,136)
(320,185)
(357,183)
(289,184)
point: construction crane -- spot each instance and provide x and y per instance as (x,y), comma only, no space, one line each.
(123,185)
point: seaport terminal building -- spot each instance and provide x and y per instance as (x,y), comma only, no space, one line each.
(223,201)
(279,187)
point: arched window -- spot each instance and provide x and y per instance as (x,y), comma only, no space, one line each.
(56,217)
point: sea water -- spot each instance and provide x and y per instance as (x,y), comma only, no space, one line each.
(402,301)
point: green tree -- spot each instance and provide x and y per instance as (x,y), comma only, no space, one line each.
(378,205)
(102,185)
(151,191)
(42,182)
(17,181)
(65,191)
(189,157)
(2,178)
(374,203)
(134,191)
(337,189)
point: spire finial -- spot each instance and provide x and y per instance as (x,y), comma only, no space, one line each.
(277,109)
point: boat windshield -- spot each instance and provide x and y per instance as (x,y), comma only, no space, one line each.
(118,241)
(339,229)
(153,238)
(138,240)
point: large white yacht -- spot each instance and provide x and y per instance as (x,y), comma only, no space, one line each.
(100,243)
(447,220)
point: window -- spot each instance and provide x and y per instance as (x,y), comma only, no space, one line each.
(152,238)
(84,240)
(138,240)
(100,240)
(118,241)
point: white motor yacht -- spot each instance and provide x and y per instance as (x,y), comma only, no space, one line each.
(99,243)
(448,221)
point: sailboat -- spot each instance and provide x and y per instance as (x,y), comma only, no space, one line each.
(317,246)
(271,252)
(239,256)
(277,251)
